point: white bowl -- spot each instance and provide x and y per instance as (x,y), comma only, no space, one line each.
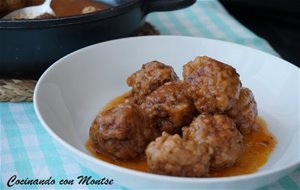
(71,92)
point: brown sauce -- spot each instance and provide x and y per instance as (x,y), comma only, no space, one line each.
(70,7)
(258,145)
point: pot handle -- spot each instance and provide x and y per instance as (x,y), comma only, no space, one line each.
(166,5)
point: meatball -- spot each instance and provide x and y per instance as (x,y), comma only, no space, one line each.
(148,78)
(214,86)
(221,134)
(169,107)
(171,155)
(122,132)
(244,111)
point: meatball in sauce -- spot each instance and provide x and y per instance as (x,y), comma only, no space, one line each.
(221,134)
(151,76)
(171,155)
(214,86)
(170,107)
(122,132)
(244,111)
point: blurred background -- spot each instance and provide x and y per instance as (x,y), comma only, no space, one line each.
(277,21)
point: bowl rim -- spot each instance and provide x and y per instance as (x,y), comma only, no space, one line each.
(132,172)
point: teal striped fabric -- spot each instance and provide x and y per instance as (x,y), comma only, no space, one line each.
(27,151)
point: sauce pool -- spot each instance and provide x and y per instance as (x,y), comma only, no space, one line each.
(258,145)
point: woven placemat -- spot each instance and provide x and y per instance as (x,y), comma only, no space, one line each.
(18,90)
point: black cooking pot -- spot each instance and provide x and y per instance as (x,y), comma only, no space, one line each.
(29,47)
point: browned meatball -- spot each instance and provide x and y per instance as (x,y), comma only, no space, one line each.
(244,111)
(221,134)
(170,107)
(122,132)
(171,155)
(151,76)
(214,86)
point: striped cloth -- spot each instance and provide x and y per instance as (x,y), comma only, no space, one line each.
(27,151)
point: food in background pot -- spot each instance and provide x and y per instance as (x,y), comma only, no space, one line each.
(60,7)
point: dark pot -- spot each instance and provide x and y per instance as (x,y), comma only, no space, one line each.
(29,47)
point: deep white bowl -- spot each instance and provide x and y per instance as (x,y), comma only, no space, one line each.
(71,92)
